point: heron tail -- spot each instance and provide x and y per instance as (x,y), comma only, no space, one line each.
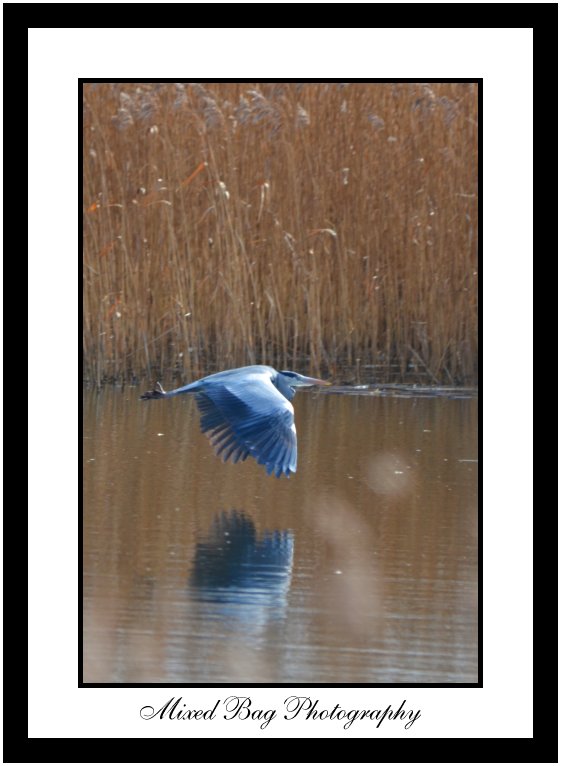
(156,393)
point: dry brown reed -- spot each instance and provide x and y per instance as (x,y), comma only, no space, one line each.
(324,227)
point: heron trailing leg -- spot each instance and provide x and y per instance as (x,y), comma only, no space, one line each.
(157,393)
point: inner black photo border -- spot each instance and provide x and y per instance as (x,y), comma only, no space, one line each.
(417,80)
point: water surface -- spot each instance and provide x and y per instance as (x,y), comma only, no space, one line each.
(360,568)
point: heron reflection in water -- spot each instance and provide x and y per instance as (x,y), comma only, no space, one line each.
(235,565)
(248,411)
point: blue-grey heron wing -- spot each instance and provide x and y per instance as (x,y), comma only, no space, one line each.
(250,417)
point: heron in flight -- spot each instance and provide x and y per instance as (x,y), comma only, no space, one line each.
(247,411)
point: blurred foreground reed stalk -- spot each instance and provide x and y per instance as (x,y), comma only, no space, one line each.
(323,227)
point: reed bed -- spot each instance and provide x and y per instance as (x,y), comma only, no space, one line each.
(330,228)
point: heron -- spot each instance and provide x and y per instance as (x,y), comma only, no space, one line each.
(248,411)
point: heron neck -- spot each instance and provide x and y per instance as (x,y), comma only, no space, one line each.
(285,388)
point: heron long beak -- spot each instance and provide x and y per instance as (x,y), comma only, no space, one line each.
(314,382)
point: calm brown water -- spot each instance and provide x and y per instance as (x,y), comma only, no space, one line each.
(361,568)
